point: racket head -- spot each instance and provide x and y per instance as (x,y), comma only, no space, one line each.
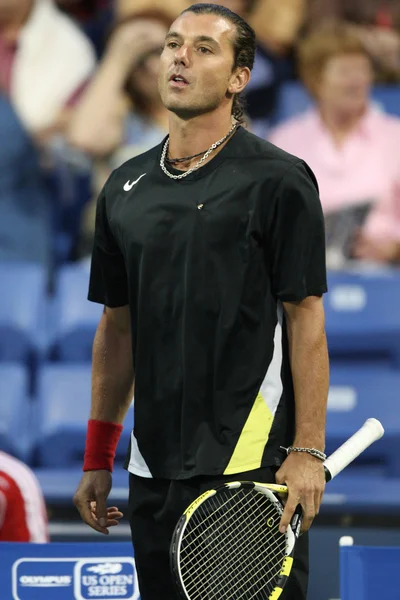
(227,544)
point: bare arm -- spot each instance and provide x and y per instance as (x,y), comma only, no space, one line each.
(112,391)
(112,368)
(301,472)
(310,369)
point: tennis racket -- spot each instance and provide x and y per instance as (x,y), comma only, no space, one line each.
(227,544)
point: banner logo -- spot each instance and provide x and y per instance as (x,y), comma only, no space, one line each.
(106,578)
(44,579)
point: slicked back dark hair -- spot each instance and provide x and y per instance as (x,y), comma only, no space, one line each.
(244,45)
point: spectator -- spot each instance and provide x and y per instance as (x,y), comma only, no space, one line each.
(24,208)
(106,126)
(375,22)
(23,515)
(44,62)
(351,145)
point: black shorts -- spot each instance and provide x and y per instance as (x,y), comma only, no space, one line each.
(155,506)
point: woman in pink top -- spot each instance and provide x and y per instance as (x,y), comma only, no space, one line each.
(351,145)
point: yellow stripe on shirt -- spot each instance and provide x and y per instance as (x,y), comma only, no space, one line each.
(250,446)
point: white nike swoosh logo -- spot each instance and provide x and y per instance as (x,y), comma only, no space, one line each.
(128,186)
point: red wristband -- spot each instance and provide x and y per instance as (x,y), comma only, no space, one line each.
(101,444)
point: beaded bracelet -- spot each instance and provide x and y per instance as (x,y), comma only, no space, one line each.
(313,451)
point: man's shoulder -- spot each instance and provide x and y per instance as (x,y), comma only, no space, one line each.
(271,166)
(134,168)
(263,157)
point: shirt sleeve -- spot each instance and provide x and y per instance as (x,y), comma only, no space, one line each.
(108,283)
(295,237)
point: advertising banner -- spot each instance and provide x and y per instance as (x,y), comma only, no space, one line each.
(68,571)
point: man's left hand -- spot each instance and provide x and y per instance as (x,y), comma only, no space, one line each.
(304,477)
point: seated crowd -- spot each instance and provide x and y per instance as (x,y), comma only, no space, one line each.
(78,96)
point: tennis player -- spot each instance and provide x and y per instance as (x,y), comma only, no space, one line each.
(209,259)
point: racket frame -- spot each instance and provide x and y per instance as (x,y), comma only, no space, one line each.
(271,491)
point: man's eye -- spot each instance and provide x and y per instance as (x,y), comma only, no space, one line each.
(204,50)
(172,45)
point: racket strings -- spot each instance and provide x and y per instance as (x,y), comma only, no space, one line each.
(244,529)
(250,574)
(275,570)
(257,577)
(204,548)
(262,580)
(201,520)
(220,549)
(211,528)
(259,590)
(229,576)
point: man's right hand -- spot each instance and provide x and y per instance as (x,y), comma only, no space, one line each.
(91,501)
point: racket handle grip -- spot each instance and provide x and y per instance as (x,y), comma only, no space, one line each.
(371,431)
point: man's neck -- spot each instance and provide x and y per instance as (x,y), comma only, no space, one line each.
(189,137)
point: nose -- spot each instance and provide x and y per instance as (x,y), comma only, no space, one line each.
(182,56)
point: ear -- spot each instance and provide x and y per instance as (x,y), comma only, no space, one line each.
(239,79)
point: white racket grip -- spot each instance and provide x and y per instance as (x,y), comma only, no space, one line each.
(371,431)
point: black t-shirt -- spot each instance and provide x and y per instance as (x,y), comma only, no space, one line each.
(204,263)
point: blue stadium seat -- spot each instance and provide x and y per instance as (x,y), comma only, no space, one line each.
(76,318)
(356,492)
(63,411)
(388,98)
(363,316)
(294,99)
(357,393)
(369,572)
(15,411)
(22,301)
(70,188)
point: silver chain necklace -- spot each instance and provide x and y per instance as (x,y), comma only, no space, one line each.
(199,163)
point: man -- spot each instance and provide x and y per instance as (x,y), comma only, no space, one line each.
(23,516)
(209,259)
